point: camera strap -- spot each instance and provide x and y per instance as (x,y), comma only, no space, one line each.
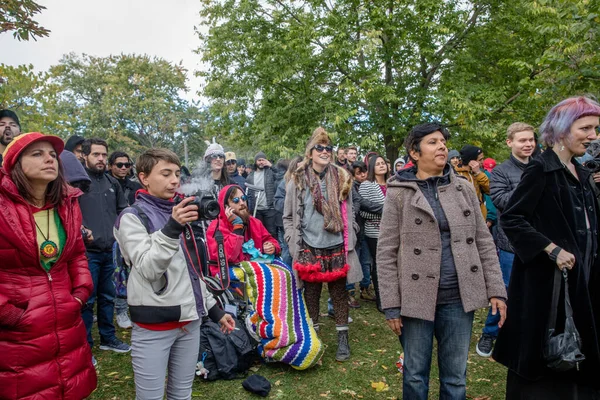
(193,257)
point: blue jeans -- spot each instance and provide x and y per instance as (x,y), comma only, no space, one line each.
(506,262)
(102,270)
(286,257)
(452,330)
(364,256)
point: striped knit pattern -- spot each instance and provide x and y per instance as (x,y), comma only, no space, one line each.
(280,319)
(371,191)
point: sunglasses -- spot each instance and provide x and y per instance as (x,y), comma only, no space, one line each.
(320,148)
(230,162)
(217,156)
(123,164)
(237,199)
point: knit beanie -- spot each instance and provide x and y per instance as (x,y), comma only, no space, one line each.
(452,154)
(15,148)
(73,142)
(214,148)
(258,155)
(319,136)
(469,153)
(10,114)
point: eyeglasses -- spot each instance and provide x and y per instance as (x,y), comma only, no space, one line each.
(230,162)
(320,148)
(123,164)
(237,199)
(214,156)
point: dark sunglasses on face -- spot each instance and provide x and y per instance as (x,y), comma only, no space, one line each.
(121,165)
(320,148)
(230,162)
(217,156)
(237,199)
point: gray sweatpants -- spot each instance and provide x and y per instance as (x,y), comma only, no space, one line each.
(152,352)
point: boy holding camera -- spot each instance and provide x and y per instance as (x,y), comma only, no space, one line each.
(166,296)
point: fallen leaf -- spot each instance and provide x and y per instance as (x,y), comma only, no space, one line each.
(112,373)
(326,394)
(483,380)
(348,392)
(383,366)
(380,386)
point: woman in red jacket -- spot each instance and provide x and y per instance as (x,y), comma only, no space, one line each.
(44,277)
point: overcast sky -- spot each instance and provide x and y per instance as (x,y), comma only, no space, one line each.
(101,28)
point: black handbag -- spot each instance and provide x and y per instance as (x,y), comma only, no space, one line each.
(562,352)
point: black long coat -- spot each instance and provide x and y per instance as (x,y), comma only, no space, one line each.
(546,207)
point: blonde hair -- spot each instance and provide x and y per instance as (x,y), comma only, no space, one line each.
(517,127)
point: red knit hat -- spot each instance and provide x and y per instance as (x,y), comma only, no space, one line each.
(21,142)
(489,164)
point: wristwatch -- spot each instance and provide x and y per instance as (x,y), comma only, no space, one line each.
(554,253)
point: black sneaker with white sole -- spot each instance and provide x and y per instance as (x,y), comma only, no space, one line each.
(115,345)
(485,346)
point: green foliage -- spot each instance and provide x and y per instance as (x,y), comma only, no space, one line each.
(133,101)
(370,70)
(17,16)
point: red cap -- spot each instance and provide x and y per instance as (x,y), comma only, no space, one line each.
(489,164)
(20,143)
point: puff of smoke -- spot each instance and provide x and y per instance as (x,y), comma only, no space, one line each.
(200,181)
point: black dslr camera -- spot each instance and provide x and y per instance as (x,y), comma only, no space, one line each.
(593,165)
(208,206)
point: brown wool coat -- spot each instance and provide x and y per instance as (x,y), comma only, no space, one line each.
(292,219)
(409,249)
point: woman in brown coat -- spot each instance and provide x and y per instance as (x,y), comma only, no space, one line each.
(437,264)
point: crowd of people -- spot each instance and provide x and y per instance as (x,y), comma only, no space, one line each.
(430,239)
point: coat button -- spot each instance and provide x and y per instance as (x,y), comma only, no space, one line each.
(417,251)
(418,221)
(474,268)
(470,240)
(459,187)
(415,277)
(591,209)
(467,213)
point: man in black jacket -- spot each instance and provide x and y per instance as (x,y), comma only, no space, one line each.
(263,183)
(100,207)
(119,167)
(503,182)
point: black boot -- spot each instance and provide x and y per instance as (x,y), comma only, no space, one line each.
(343,350)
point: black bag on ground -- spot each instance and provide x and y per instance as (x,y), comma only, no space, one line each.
(562,352)
(225,356)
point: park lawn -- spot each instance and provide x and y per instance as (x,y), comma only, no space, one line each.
(375,351)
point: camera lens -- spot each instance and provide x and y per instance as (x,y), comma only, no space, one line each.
(210,209)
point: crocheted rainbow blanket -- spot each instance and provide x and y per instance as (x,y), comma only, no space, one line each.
(279,320)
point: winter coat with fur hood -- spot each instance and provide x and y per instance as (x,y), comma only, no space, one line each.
(293,211)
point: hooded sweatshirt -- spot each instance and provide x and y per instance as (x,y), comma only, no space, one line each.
(233,236)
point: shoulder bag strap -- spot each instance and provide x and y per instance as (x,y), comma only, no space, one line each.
(143,216)
(555,298)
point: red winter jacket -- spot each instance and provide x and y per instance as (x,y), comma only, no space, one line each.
(44,352)
(233,242)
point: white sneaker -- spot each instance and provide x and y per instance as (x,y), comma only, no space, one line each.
(123,321)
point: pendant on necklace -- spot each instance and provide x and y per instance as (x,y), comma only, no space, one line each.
(48,249)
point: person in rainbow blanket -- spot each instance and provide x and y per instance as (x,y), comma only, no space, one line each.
(279,318)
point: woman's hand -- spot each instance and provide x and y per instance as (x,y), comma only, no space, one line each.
(565,260)
(268,248)
(498,305)
(227,323)
(395,325)
(184,213)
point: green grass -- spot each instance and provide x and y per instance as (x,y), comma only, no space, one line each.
(375,351)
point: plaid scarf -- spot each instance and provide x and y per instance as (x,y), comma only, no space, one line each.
(329,205)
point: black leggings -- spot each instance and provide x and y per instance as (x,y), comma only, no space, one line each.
(372,243)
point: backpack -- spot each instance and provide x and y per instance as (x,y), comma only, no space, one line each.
(122,269)
(224,356)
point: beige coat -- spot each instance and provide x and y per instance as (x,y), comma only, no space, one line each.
(292,220)
(409,249)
